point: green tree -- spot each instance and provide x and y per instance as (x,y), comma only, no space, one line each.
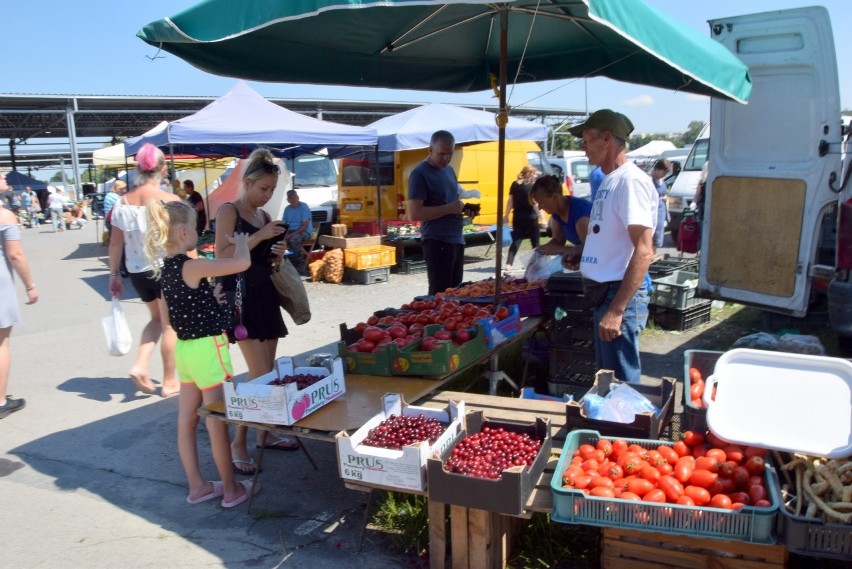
(692,132)
(57,177)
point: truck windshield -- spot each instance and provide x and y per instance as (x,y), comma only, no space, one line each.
(312,170)
(698,155)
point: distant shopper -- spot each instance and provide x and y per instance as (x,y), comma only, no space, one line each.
(569,220)
(78,215)
(15,260)
(525,221)
(129,225)
(297,215)
(596,177)
(57,203)
(197,203)
(659,174)
(26,206)
(35,207)
(619,245)
(433,200)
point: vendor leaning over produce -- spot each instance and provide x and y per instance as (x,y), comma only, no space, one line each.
(619,245)
(433,200)
(569,218)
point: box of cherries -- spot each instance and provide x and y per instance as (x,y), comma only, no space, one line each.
(492,465)
(391,449)
(285,395)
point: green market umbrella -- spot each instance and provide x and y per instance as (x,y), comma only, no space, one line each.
(452,45)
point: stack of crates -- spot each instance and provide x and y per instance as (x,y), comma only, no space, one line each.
(368,265)
(571,365)
(674,305)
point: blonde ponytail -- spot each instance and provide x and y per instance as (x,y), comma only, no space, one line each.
(162,217)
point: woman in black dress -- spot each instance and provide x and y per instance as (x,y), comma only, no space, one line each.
(525,222)
(260,314)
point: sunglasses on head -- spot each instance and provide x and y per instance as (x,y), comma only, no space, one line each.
(267,167)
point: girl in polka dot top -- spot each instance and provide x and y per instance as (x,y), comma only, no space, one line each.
(200,320)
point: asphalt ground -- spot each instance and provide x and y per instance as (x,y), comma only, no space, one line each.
(89,471)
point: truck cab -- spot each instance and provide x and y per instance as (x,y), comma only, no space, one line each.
(777,226)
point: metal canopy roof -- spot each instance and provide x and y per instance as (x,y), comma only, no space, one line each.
(27,117)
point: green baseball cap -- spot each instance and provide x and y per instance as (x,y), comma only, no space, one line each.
(605,120)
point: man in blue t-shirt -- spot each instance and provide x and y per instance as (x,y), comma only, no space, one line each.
(433,200)
(297,215)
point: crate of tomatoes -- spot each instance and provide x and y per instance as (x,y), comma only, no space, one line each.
(699,486)
(698,366)
(528,296)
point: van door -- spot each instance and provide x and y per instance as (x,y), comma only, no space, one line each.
(770,161)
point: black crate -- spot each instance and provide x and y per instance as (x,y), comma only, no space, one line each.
(566,283)
(667,266)
(367,276)
(676,319)
(574,325)
(574,384)
(566,362)
(411,266)
(566,301)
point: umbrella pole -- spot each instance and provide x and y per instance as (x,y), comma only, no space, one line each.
(378,194)
(206,190)
(502,119)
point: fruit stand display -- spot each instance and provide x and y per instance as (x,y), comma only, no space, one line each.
(528,295)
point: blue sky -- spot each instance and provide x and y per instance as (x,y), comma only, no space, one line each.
(90,47)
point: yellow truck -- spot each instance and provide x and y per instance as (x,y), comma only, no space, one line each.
(475,166)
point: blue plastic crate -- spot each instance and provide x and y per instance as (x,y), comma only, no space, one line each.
(751,524)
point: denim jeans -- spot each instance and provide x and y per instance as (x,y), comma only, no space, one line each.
(622,354)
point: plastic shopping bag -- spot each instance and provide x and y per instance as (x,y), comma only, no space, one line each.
(116,330)
(506,237)
(542,266)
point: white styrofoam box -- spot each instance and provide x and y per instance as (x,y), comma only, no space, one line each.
(404,468)
(782,401)
(259,402)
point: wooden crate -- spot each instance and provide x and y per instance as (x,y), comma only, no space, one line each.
(631,549)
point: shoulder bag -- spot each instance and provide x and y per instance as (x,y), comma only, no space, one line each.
(292,295)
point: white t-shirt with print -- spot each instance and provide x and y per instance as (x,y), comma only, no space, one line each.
(626,197)
(133,222)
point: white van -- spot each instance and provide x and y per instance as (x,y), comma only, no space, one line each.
(314,176)
(777,226)
(683,190)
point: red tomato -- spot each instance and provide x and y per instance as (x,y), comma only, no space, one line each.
(762,504)
(650,473)
(685,501)
(373,333)
(718,454)
(641,451)
(633,465)
(601,491)
(602,481)
(639,486)
(372,320)
(655,458)
(757,493)
(585,450)
(735,453)
(582,482)
(590,464)
(755,465)
(502,313)
(727,469)
(699,403)
(683,469)
(672,488)
(605,446)
(696,390)
(703,478)
(741,497)
(699,451)
(360,327)
(694,374)
(699,495)
(741,477)
(665,468)
(619,447)
(755,451)
(655,495)
(630,496)
(693,438)
(727,485)
(611,470)
(668,453)
(721,501)
(571,474)
(755,480)
(681,448)
(707,463)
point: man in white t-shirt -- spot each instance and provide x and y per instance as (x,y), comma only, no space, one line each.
(619,246)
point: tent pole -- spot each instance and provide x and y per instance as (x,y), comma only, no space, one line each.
(502,119)
(378,193)
(206,189)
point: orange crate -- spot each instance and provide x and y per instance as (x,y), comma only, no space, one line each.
(369,257)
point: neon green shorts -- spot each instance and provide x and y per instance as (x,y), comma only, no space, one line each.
(205,362)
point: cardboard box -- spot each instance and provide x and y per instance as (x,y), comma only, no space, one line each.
(508,495)
(349,242)
(644,425)
(259,402)
(405,468)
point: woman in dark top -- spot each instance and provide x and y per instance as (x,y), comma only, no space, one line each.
(569,220)
(261,315)
(525,222)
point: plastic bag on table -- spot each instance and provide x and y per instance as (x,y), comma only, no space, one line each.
(542,266)
(630,401)
(117,332)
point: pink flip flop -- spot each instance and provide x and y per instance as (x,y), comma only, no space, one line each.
(251,490)
(218,490)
